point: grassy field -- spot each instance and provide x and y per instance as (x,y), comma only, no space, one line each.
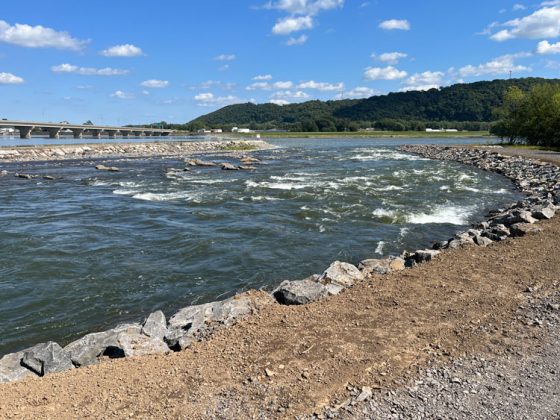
(528,147)
(371,134)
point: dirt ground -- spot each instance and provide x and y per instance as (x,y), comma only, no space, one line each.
(285,362)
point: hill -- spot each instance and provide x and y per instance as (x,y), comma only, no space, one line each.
(465,106)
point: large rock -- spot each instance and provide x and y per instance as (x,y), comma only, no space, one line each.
(155,326)
(46,358)
(11,368)
(300,292)
(425,255)
(381,266)
(515,216)
(87,350)
(339,276)
(482,241)
(524,229)
(198,322)
(229,167)
(135,344)
(198,162)
(544,213)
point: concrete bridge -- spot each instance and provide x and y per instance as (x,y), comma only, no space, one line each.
(25,129)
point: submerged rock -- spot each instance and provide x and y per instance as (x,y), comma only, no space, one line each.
(300,292)
(46,358)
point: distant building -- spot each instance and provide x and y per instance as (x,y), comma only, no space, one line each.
(203,131)
(217,130)
(442,130)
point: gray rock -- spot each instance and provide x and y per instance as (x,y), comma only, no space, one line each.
(460,242)
(425,255)
(11,368)
(198,162)
(198,322)
(523,229)
(3,173)
(135,344)
(515,216)
(155,326)
(107,168)
(46,358)
(544,213)
(87,350)
(482,241)
(300,292)
(341,275)
(381,266)
(24,176)
(229,167)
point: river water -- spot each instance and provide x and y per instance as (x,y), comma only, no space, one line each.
(93,249)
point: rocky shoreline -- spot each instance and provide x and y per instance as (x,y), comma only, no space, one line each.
(123,150)
(156,335)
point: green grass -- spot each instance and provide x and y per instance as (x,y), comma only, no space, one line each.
(529,147)
(373,134)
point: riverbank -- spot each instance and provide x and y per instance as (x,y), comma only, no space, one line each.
(123,150)
(371,134)
(368,336)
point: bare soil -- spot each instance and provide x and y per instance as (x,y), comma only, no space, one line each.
(285,362)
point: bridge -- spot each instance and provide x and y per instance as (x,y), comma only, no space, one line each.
(54,130)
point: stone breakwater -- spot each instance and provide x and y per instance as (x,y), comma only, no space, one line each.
(123,150)
(157,335)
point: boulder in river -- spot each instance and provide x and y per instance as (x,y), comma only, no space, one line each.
(46,358)
(198,162)
(248,160)
(229,167)
(300,292)
(25,176)
(107,168)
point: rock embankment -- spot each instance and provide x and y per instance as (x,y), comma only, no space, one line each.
(123,150)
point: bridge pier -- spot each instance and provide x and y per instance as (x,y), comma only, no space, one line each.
(77,132)
(95,133)
(54,132)
(125,133)
(112,133)
(25,132)
(138,133)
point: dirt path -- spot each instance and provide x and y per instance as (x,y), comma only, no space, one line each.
(289,361)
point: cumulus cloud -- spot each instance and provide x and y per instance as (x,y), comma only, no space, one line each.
(263,77)
(270,86)
(288,94)
(155,84)
(390,57)
(124,50)
(497,66)
(384,73)
(225,57)
(543,23)
(359,92)
(322,86)
(300,40)
(10,79)
(304,7)
(291,24)
(545,47)
(424,81)
(119,94)
(395,24)
(88,71)
(209,99)
(280,102)
(38,37)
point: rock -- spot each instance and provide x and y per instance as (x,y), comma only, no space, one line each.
(198,162)
(299,292)
(544,213)
(24,176)
(425,255)
(482,241)
(87,350)
(523,229)
(515,216)
(460,242)
(339,276)
(48,178)
(229,167)
(247,168)
(46,358)
(107,168)
(249,160)
(396,264)
(374,266)
(155,326)
(3,173)
(135,344)
(11,368)
(365,394)
(197,322)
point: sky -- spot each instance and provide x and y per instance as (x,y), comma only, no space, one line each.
(131,62)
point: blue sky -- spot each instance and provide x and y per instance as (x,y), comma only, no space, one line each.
(121,62)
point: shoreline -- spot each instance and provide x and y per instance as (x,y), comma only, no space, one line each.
(198,322)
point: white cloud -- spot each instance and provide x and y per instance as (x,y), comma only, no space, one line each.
(225,57)
(263,77)
(384,73)
(390,57)
(544,47)
(300,40)
(323,87)
(38,37)
(499,65)
(124,50)
(280,102)
(285,94)
(270,86)
(224,67)
(119,94)
(518,6)
(88,71)
(543,23)
(10,79)
(291,24)
(209,99)
(305,7)
(424,81)
(154,83)
(395,24)
(359,92)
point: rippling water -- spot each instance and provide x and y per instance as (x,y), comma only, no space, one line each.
(95,248)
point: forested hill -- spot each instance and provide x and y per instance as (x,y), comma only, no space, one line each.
(465,103)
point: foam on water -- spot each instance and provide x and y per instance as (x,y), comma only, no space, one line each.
(454,215)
